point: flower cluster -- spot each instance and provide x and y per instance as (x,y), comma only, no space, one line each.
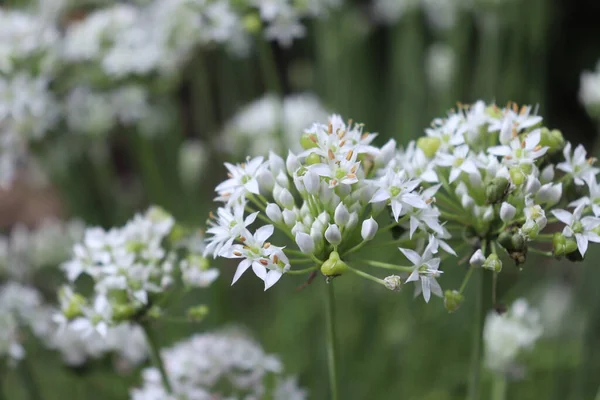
(131,267)
(484,176)
(271,123)
(225,364)
(508,335)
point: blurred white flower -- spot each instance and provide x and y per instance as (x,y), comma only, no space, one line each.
(439,65)
(589,91)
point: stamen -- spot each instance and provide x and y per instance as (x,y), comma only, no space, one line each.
(263,262)
(537,148)
(351,176)
(508,157)
(275,259)
(242,239)
(237,253)
(349,155)
(266,245)
(330,129)
(229,175)
(331,155)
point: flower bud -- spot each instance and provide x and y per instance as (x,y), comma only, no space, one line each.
(488,214)
(452,300)
(123,312)
(313,159)
(493,263)
(547,174)
(341,216)
(312,182)
(333,266)
(562,245)
(386,153)
(305,243)
(507,212)
(283,180)
(286,199)
(274,212)
(276,163)
(298,227)
(467,202)
(265,181)
(517,175)
(549,194)
(369,229)
(518,242)
(308,140)
(74,306)
(352,221)
(477,259)
(192,158)
(496,190)
(323,217)
(333,235)
(532,185)
(429,145)
(252,23)
(197,313)
(393,283)
(289,217)
(291,163)
(553,139)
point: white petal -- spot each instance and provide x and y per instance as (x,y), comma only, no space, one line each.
(242,267)
(582,243)
(563,216)
(259,270)
(412,256)
(263,233)
(272,278)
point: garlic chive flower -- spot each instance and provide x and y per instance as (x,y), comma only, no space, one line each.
(131,267)
(481,184)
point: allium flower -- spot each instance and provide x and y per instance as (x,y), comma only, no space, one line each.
(129,267)
(399,190)
(224,364)
(458,162)
(242,181)
(519,152)
(425,271)
(508,335)
(581,228)
(577,165)
(589,91)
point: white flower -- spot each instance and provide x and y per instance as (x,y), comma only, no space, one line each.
(393,282)
(535,218)
(506,336)
(589,91)
(593,199)
(229,226)
(580,228)
(519,152)
(268,262)
(242,180)
(425,270)
(577,165)
(399,191)
(285,27)
(458,161)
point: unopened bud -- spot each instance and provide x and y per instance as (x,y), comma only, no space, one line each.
(429,145)
(311,182)
(308,141)
(369,229)
(393,283)
(517,175)
(333,235)
(452,300)
(477,259)
(507,212)
(274,212)
(305,243)
(496,190)
(313,159)
(341,216)
(562,245)
(289,217)
(493,263)
(291,163)
(286,199)
(197,313)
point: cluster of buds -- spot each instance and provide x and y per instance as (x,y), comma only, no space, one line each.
(493,179)
(133,269)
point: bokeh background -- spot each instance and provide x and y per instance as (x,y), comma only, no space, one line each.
(394,65)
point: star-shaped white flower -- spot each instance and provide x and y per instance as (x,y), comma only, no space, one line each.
(593,199)
(577,165)
(399,190)
(519,152)
(580,228)
(230,224)
(242,180)
(425,271)
(458,162)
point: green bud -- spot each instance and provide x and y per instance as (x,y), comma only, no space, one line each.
(496,190)
(518,242)
(562,245)
(177,234)
(553,139)
(308,141)
(123,312)
(505,240)
(493,263)
(517,175)
(134,247)
(333,266)
(429,145)
(494,111)
(74,308)
(313,159)
(452,300)
(197,313)
(252,23)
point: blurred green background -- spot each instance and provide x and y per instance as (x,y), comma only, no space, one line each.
(391,346)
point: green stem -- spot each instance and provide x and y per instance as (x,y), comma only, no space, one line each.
(367,276)
(476,340)
(499,386)
(301,271)
(331,342)
(541,252)
(387,266)
(156,359)
(29,381)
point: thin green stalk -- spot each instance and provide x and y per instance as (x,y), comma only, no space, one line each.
(155,355)
(476,341)
(597,394)
(268,67)
(388,266)
(302,271)
(331,342)
(499,386)
(367,276)
(29,382)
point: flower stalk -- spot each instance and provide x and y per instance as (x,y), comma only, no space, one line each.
(155,355)
(331,341)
